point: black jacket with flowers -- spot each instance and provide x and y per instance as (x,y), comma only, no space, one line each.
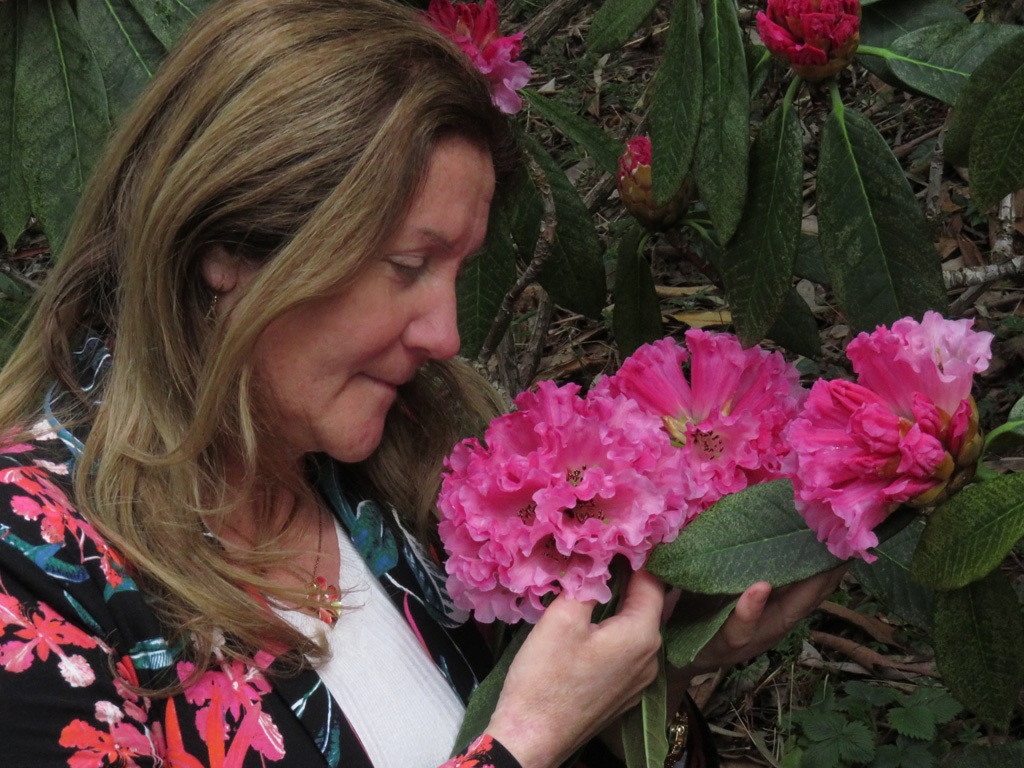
(77,640)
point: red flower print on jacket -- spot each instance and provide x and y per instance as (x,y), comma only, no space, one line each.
(119,744)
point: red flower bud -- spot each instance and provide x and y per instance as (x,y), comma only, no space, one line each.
(816,37)
(637,192)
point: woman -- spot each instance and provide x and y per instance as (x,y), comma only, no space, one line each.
(240,361)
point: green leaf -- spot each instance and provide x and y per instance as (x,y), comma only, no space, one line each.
(809,263)
(983,86)
(525,212)
(937,60)
(14,204)
(753,535)
(126,51)
(722,145)
(484,282)
(615,21)
(675,103)
(758,264)
(970,534)
(883,23)
(889,579)
(1000,756)
(686,635)
(875,242)
(603,148)
(644,728)
(917,722)
(856,744)
(485,698)
(796,327)
(573,273)
(61,108)
(997,146)
(978,636)
(1005,436)
(941,705)
(637,317)
(168,19)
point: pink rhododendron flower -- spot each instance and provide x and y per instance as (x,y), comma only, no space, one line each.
(636,189)
(727,419)
(474,29)
(898,435)
(816,37)
(556,490)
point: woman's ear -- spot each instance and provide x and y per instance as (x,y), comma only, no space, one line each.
(222,270)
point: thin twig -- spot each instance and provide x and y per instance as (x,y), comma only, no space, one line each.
(1002,248)
(968,276)
(931,199)
(535,347)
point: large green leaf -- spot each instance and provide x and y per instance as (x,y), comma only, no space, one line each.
(722,146)
(987,81)
(615,21)
(889,579)
(61,108)
(796,327)
(644,734)
(970,534)
(637,317)
(14,207)
(758,264)
(1000,756)
(168,19)
(675,104)
(685,635)
(127,52)
(753,535)
(484,282)
(603,148)
(874,239)
(937,60)
(574,272)
(997,147)
(978,636)
(883,23)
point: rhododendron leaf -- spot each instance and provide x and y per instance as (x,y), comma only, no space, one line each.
(1005,436)
(644,737)
(675,103)
(757,267)
(874,239)
(796,328)
(126,51)
(997,146)
(14,208)
(574,272)
(615,21)
(720,169)
(889,577)
(61,109)
(881,25)
(637,317)
(685,636)
(986,81)
(168,25)
(603,148)
(484,282)
(485,698)
(978,636)
(937,60)
(753,535)
(999,756)
(970,534)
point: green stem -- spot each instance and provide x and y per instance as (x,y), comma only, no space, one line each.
(787,100)
(837,100)
(883,53)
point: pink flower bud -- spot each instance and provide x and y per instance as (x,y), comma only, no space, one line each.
(816,37)
(637,192)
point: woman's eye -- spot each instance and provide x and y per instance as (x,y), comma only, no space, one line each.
(407,265)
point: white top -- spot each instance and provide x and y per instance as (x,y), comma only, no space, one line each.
(400,706)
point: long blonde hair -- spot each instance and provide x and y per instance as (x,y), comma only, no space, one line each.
(296,133)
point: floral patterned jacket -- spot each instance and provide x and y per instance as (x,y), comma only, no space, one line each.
(77,640)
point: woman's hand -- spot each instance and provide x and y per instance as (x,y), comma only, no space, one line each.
(761,619)
(571,677)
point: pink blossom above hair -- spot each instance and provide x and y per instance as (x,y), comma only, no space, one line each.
(557,489)
(474,29)
(727,419)
(898,435)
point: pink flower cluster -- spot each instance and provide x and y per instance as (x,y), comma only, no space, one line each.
(557,489)
(898,435)
(475,30)
(727,419)
(816,37)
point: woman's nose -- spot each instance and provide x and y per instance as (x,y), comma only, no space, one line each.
(435,328)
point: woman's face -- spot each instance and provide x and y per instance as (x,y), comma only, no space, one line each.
(332,366)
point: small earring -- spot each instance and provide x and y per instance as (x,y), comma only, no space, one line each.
(211,313)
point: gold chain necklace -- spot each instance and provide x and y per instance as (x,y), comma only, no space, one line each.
(326,596)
